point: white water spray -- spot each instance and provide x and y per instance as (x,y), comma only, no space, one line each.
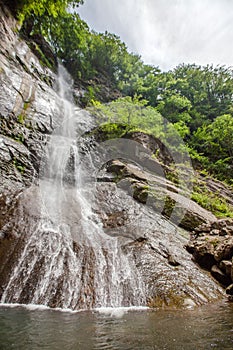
(68,261)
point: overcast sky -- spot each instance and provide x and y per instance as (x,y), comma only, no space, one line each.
(168,32)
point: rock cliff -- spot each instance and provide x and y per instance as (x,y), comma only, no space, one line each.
(29,109)
(29,106)
(212,247)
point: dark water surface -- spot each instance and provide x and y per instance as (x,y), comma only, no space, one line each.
(209,327)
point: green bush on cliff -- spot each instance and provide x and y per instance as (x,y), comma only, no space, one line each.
(137,116)
(49,8)
(134,113)
(215,141)
(212,201)
(109,131)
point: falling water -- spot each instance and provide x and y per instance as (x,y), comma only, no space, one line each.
(68,260)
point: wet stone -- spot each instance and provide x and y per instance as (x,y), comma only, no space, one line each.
(229,289)
(220,276)
(226,266)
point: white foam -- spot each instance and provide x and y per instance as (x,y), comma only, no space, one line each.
(118,312)
(33,307)
(30,307)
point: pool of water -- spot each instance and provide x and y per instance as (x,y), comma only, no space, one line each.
(32,328)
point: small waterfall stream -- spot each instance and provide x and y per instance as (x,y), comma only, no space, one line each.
(68,261)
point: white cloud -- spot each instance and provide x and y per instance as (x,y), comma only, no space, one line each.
(168,32)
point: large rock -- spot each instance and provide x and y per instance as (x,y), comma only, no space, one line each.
(212,248)
(220,276)
(159,193)
(171,277)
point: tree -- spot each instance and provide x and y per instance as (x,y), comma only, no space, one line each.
(32,8)
(69,37)
(107,54)
(209,89)
(175,108)
(215,141)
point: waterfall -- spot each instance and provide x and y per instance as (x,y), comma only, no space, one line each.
(68,261)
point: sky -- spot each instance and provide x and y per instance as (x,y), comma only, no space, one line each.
(166,33)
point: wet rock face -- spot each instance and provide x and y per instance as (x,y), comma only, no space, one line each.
(28,107)
(157,248)
(43,51)
(212,247)
(151,243)
(154,190)
(18,214)
(29,112)
(153,144)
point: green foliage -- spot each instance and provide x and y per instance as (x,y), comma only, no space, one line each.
(139,78)
(89,98)
(19,138)
(18,165)
(182,129)
(216,142)
(44,61)
(110,131)
(212,202)
(209,89)
(134,113)
(107,53)
(33,8)
(175,108)
(21,118)
(138,117)
(69,37)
